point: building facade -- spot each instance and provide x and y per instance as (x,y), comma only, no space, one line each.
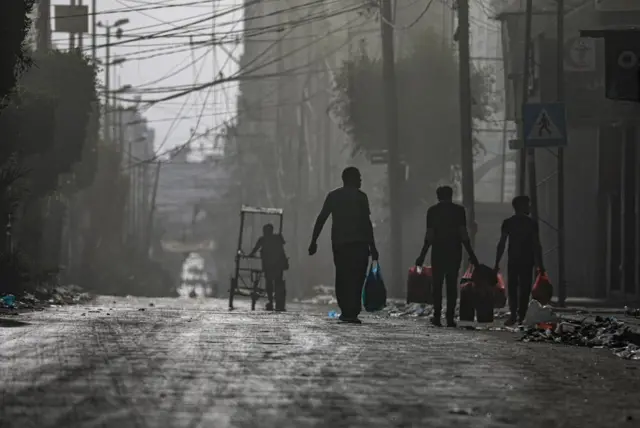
(601,174)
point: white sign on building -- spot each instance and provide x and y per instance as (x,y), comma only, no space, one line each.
(580,54)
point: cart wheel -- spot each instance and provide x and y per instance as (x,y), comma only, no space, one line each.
(232,292)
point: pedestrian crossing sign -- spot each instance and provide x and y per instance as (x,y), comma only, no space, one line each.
(544,125)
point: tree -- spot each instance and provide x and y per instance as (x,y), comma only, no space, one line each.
(70,81)
(15,24)
(429,121)
(50,125)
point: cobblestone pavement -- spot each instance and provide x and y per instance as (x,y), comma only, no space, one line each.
(184,363)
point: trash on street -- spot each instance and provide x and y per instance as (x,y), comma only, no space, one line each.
(536,314)
(602,333)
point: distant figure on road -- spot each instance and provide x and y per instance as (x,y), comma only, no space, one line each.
(352,241)
(525,251)
(447,234)
(274,263)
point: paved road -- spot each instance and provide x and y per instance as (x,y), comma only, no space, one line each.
(184,363)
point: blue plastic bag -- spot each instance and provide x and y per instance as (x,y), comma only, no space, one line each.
(374,293)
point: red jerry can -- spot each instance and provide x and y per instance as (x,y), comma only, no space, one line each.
(420,285)
(499,294)
(542,289)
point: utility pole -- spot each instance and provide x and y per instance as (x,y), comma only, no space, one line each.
(279,134)
(109,132)
(327,133)
(466,132)
(44,25)
(504,157)
(562,286)
(300,185)
(531,153)
(94,29)
(72,36)
(391,124)
(107,89)
(522,165)
(80,35)
(152,209)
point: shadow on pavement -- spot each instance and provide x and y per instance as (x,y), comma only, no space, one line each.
(5,322)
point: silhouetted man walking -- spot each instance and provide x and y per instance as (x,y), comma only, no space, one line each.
(351,239)
(525,251)
(446,234)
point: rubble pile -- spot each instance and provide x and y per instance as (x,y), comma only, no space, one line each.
(606,333)
(59,296)
(400,309)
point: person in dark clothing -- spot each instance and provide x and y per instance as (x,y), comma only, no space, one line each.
(525,252)
(274,263)
(446,234)
(352,241)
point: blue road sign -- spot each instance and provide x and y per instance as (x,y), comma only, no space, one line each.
(545,125)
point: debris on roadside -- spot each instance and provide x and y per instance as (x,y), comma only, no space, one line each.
(606,333)
(632,312)
(537,313)
(69,295)
(59,296)
(8,301)
(398,309)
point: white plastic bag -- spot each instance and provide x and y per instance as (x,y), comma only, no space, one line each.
(536,313)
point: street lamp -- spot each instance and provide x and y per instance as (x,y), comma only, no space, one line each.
(120,22)
(123,88)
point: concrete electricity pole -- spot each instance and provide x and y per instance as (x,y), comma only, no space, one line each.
(391,119)
(94,29)
(152,209)
(72,36)
(562,287)
(107,88)
(44,25)
(522,184)
(466,136)
(531,153)
(107,67)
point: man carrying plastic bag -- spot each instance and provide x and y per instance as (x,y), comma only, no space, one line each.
(351,239)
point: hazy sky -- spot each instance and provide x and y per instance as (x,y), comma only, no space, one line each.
(166,64)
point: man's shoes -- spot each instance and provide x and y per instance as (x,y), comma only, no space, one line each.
(436,322)
(510,322)
(451,323)
(268,306)
(281,310)
(349,320)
